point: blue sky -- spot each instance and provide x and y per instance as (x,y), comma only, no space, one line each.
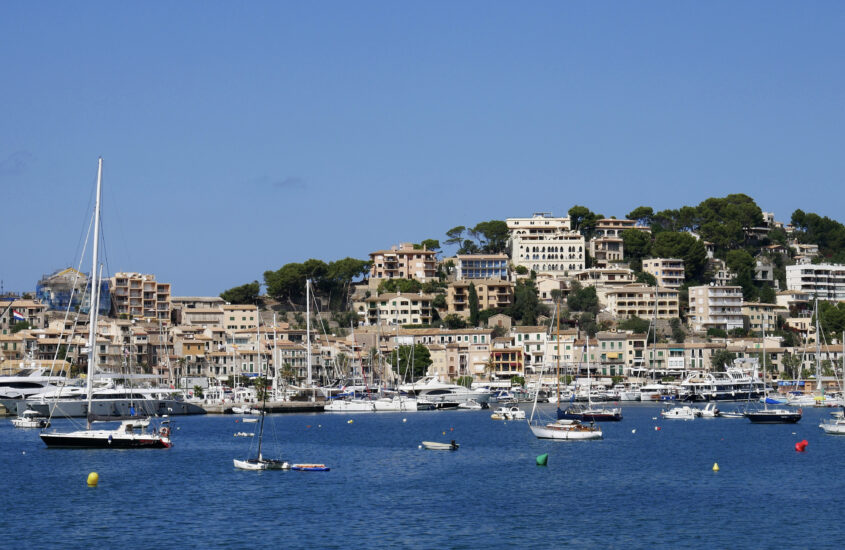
(240,136)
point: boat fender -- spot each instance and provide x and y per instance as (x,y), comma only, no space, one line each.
(164,431)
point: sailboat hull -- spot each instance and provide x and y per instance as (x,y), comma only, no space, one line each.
(261,464)
(773,417)
(104,439)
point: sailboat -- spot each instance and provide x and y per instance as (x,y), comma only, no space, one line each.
(774,415)
(563,428)
(837,426)
(133,431)
(590,412)
(259,462)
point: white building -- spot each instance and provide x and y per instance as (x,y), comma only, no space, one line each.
(545,244)
(824,281)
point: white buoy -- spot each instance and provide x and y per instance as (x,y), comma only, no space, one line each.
(419,446)
(404,420)
(634,431)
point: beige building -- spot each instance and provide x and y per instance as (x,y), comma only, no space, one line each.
(492,293)
(240,317)
(606,251)
(28,311)
(403,262)
(611,227)
(137,296)
(762,317)
(398,308)
(669,272)
(642,301)
(715,307)
(545,244)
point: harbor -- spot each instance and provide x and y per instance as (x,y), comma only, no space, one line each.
(498,496)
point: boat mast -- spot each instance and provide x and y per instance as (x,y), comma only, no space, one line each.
(92,311)
(820,388)
(557,355)
(264,400)
(308,328)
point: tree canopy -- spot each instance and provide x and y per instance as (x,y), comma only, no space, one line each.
(670,244)
(244,294)
(332,280)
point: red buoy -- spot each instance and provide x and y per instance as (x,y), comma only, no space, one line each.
(801,446)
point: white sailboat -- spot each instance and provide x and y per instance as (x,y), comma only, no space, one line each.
(133,432)
(259,462)
(561,429)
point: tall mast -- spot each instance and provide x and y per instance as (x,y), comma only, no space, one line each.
(92,311)
(820,388)
(264,400)
(557,355)
(308,328)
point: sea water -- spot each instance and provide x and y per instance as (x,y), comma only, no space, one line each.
(639,487)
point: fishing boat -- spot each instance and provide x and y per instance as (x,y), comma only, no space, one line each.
(259,462)
(437,446)
(30,419)
(133,432)
(561,429)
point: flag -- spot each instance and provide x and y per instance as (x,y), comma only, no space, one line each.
(17,316)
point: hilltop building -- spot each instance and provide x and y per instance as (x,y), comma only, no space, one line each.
(545,244)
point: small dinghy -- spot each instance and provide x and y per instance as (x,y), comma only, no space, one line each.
(310,467)
(437,446)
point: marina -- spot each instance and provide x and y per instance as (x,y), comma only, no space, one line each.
(402,488)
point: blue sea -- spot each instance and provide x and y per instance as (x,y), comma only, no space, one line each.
(638,488)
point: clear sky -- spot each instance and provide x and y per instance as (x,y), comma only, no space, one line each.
(241,136)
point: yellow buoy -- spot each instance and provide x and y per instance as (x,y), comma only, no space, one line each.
(715,466)
(93,479)
(350,421)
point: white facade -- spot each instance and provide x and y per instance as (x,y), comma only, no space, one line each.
(825,281)
(544,244)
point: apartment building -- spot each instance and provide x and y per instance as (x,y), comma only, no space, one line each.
(611,227)
(545,244)
(762,317)
(642,301)
(824,281)
(505,361)
(606,251)
(18,311)
(481,266)
(492,293)
(240,317)
(669,272)
(398,308)
(605,278)
(137,296)
(715,307)
(403,262)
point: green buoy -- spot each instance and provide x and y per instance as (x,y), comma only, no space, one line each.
(543,459)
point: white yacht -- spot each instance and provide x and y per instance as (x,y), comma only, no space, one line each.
(430,389)
(734,384)
(680,413)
